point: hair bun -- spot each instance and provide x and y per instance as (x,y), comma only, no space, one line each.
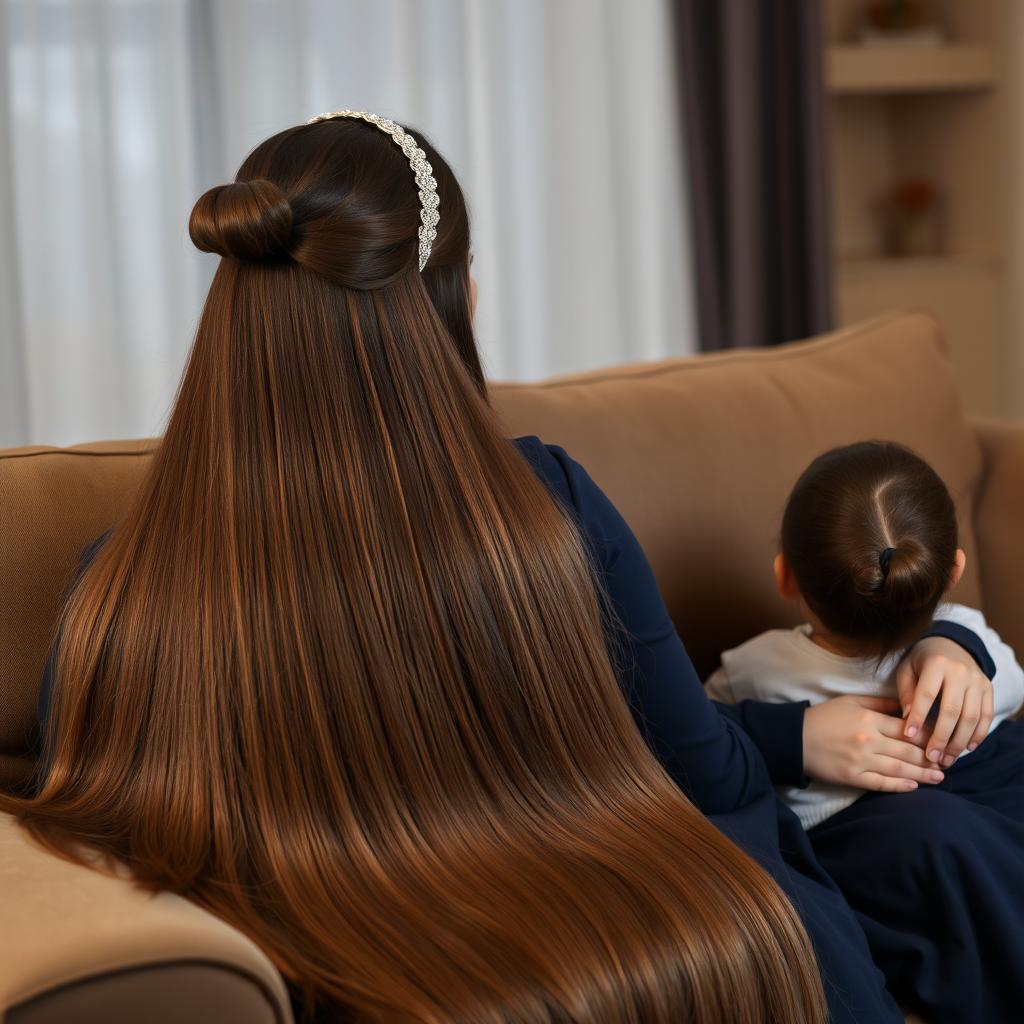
(250,220)
(896,575)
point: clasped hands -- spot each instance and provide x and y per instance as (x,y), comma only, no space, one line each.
(893,746)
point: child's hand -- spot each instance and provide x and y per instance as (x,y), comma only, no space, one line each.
(852,741)
(935,665)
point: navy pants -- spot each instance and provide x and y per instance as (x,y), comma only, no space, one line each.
(854,986)
(936,878)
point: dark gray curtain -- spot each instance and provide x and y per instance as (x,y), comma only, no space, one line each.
(751,76)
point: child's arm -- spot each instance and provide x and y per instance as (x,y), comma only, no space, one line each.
(968,695)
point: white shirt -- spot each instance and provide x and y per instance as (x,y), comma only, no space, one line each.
(787,665)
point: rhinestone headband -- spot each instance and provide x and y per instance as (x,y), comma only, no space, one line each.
(429,201)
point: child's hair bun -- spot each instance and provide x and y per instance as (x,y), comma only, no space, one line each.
(895,575)
(249,220)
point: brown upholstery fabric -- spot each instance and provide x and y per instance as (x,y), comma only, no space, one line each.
(53,501)
(700,454)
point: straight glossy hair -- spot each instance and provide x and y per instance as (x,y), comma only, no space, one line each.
(340,675)
(870,534)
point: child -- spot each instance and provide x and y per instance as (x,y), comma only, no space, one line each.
(869,547)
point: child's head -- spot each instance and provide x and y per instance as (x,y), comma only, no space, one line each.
(869,542)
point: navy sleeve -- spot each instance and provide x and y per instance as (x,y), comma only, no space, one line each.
(708,754)
(778,731)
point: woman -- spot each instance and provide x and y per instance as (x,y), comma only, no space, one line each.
(340,674)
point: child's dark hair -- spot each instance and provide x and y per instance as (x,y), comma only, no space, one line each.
(870,535)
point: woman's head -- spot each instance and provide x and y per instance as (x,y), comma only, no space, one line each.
(869,541)
(338,199)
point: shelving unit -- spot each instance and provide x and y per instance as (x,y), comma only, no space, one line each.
(873,267)
(888,70)
(903,112)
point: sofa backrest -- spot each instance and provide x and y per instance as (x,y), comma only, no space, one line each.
(699,454)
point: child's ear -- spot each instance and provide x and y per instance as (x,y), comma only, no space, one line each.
(959,564)
(785,582)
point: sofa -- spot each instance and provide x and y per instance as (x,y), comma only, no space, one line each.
(698,453)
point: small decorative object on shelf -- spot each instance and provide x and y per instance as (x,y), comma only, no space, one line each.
(910,219)
(899,22)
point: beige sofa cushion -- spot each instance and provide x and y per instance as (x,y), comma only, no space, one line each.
(700,454)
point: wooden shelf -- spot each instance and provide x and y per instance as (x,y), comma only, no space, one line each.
(864,268)
(854,69)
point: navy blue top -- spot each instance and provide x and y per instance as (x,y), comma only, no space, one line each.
(722,756)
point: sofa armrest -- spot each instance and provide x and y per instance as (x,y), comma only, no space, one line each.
(78,944)
(1000,526)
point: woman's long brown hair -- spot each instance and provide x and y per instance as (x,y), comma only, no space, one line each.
(341,674)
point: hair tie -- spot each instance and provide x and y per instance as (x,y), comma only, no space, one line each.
(884,559)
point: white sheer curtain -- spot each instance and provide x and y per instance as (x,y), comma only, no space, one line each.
(559,116)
